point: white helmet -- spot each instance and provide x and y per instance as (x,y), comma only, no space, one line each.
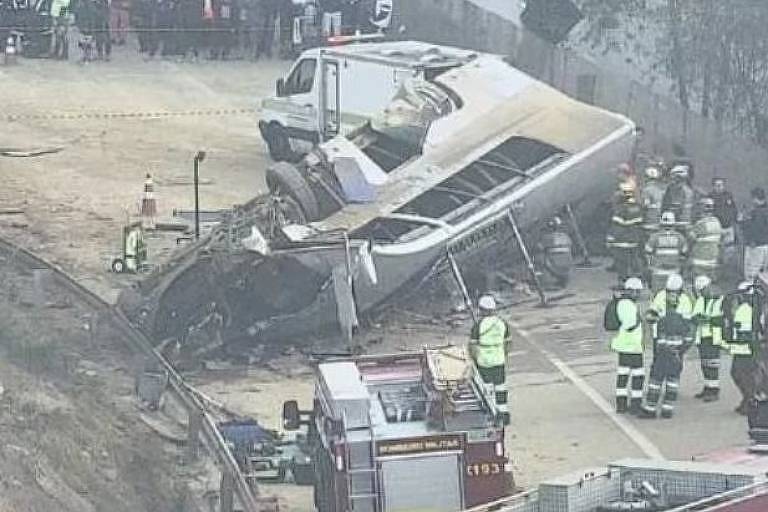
(487,302)
(701,282)
(652,173)
(633,283)
(674,283)
(667,219)
(680,170)
(746,286)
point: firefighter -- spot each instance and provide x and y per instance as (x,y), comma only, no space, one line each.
(660,300)
(666,250)
(706,236)
(708,317)
(679,196)
(628,344)
(741,331)
(625,234)
(489,338)
(651,197)
(556,247)
(670,315)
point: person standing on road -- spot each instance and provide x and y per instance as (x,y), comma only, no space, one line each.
(708,316)
(666,250)
(556,247)
(488,343)
(755,232)
(625,234)
(623,313)
(706,236)
(670,315)
(60,14)
(119,20)
(743,318)
(679,197)
(725,210)
(651,198)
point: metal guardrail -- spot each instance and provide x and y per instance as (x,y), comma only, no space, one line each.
(195,408)
(729,497)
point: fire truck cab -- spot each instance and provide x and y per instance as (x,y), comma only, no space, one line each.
(403,432)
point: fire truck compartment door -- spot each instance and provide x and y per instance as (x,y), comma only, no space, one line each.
(422,484)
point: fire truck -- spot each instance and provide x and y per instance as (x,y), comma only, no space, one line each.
(412,431)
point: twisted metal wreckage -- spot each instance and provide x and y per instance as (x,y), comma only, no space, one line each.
(451,161)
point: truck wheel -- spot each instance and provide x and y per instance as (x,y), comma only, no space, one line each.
(292,194)
(278,143)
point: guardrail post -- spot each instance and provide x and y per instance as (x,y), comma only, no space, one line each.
(226,491)
(194,425)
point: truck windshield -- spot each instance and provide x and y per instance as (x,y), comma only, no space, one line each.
(302,77)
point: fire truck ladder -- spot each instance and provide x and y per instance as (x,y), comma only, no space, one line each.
(362,478)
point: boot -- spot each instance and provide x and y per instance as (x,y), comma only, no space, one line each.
(667,415)
(712,396)
(702,394)
(742,408)
(636,408)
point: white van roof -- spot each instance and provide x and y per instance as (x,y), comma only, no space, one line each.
(404,53)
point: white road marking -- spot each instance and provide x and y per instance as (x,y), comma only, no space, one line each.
(637,437)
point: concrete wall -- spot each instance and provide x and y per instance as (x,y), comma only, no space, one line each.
(714,150)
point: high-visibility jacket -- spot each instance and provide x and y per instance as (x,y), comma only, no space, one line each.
(626,227)
(491,335)
(742,334)
(557,248)
(652,196)
(665,250)
(629,337)
(705,242)
(659,308)
(708,313)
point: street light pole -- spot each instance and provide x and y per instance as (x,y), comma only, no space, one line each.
(199,157)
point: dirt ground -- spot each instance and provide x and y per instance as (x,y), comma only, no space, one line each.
(70,434)
(75,201)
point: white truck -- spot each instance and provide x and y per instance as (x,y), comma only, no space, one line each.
(333,91)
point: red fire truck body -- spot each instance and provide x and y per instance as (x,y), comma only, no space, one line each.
(405,432)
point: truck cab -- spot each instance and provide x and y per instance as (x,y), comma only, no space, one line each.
(333,91)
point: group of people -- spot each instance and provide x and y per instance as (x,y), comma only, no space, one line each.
(676,240)
(216,29)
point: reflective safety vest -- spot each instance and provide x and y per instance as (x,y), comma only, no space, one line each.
(490,348)
(659,306)
(665,250)
(741,337)
(705,249)
(708,312)
(626,227)
(629,337)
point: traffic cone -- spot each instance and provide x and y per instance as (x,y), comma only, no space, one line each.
(9,54)
(148,204)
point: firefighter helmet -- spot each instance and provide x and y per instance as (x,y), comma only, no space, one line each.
(746,286)
(707,204)
(680,171)
(554,222)
(701,282)
(634,284)
(674,283)
(652,173)
(487,302)
(668,219)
